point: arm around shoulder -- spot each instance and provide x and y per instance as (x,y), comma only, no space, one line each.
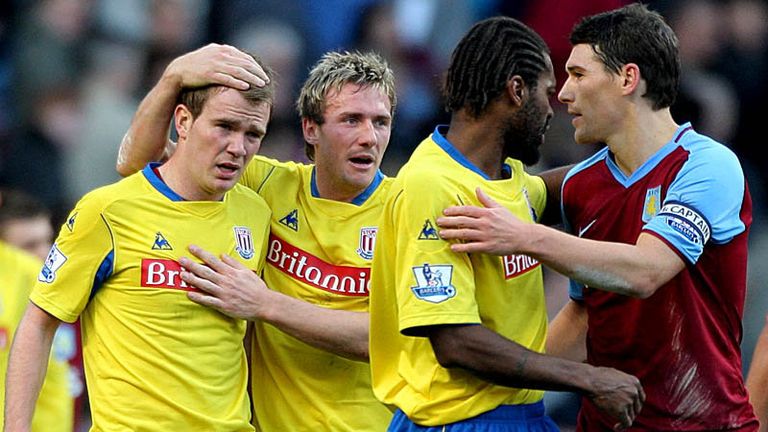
(147,137)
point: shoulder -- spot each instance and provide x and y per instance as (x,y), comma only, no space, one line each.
(241,195)
(591,161)
(264,162)
(705,152)
(123,190)
(262,170)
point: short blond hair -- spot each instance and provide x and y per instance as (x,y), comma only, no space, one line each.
(332,72)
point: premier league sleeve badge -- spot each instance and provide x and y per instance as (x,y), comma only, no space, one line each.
(433,283)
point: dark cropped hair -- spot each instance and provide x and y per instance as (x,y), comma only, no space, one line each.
(493,51)
(195,98)
(635,34)
(16,204)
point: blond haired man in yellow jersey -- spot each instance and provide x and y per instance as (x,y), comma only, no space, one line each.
(310,370)
(54,410)
(457,340)
(154,360)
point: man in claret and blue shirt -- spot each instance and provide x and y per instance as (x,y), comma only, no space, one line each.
(659,218)
(154,360)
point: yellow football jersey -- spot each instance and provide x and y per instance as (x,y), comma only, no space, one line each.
(154,360)
(319,251)
(418,281)
(55,406)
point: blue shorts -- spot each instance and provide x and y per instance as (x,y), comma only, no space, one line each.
(505,418)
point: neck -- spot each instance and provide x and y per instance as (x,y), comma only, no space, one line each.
(480,142)
(640,137)
(329,189)
(177,178)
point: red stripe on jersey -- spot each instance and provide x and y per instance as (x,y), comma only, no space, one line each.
(516,265)
(162,273)
(313,271)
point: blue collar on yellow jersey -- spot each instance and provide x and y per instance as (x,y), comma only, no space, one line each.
(360,199)
(439,138)
(158,183)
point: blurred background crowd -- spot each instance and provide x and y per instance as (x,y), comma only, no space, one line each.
(72,73)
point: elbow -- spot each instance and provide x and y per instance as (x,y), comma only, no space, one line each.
(649,281)
(361,353)
(122,166)
(641,293)
(122,169)
(446,359)
(447,355)
(643,288)
(452,345)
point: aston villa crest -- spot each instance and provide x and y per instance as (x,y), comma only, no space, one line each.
(652,203)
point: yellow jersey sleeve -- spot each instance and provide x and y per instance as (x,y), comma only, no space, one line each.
(258,172)
(80,257)
(428,272)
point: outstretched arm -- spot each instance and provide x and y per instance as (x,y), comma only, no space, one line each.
(234,290)
(27,365)
(495,358)
(147,137)
(636,270)
(757,379)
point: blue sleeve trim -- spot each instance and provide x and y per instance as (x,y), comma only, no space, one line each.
(576,290)
(103,273)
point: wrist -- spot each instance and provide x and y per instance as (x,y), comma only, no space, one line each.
(269,307)
(535,236)
(171,80)
(583,379)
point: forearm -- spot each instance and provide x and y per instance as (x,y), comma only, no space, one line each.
(27,366)
(757,379)
(617,267)
(567,333)
(147,136)
(341,332)
(502,361)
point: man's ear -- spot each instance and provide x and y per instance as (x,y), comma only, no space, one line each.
(630,78)
(310,128)
(183,120)
(516,90)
